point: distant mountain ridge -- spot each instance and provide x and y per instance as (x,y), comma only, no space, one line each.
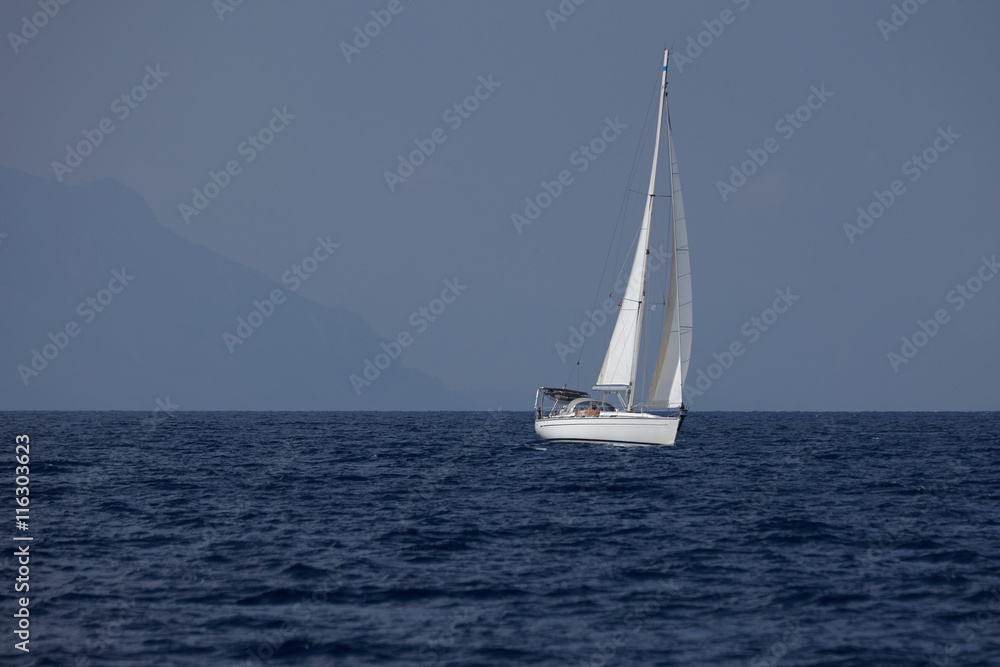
(107,309)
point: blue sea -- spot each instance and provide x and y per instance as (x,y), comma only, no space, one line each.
(195,538)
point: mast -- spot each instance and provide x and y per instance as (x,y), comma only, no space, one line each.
(621,361)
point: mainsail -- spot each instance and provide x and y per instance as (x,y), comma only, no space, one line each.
(666,389)
(619,368)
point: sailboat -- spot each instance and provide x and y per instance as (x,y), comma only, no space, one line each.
(574,416)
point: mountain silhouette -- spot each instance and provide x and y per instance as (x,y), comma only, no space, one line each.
(158,307)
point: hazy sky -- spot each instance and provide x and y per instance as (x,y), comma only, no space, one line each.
(886,82)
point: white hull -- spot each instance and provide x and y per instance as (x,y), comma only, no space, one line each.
(621,428)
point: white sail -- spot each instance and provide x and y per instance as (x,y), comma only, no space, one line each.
(623,350)
(666,389)
(618,371)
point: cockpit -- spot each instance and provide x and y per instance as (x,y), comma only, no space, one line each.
(570,403)
(587,407)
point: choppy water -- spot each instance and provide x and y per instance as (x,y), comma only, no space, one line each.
(461,539)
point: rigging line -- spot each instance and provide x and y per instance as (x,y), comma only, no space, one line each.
(645,359)
(623,208)
(619,225)
(646,137)
(570,378)
(656,233)
(641,336)
(621,269)
(670,236)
